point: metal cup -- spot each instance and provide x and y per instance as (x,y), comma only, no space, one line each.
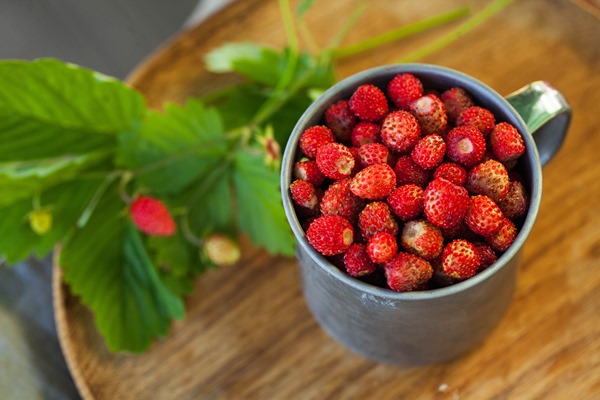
(431,326)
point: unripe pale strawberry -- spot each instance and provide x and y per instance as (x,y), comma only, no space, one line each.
(330,234)
(369,103)
(152,217)
(221,250)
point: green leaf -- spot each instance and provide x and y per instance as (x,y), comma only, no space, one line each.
(174,148)
(64,95)
(107,265)
(260,209)
(65,201)
(259,63)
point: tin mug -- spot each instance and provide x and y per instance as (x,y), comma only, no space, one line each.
(438,325)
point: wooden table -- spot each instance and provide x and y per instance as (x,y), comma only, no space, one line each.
(248,333)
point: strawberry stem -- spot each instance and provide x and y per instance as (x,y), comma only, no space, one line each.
(457,32)
(400,33)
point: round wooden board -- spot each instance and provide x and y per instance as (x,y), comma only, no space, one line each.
(248,333)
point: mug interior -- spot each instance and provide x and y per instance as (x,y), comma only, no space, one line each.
(435,77)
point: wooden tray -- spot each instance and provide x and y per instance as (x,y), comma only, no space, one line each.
(248,333)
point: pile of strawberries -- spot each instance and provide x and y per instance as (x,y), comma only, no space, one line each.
(408,187)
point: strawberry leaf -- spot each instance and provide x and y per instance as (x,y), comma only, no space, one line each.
(108,266)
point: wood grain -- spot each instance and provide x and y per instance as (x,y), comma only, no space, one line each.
(248,333)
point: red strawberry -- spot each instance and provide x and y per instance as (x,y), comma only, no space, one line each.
(483,215)
(365,132)
(487,256)
(339,200)
(465,145)
(341,120)
(422,238)
(452,172)
(369,103)
(407,272)
(313,138)
(506,142)
(373,153)
(455,100)
(460,259)
(504,237)
(489,178)
(374,218)
(307,170)
(429,151)
(479,117)
(445,204)
(408,172)
(374,182)
(330,234)
(304,194)
(357,261)
(431,114)
(403,89)
(400,131)
(381,247)
(515,204)
(406,201)
(152,217)
(335,161)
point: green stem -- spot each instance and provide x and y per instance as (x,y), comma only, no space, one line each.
(456,33)
(401,33)
(91,206)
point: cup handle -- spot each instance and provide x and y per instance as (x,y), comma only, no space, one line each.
(546,113)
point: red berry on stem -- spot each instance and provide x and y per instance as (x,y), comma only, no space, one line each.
(152,217)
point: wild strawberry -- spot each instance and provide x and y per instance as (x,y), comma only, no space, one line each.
(504,237)
(460,259)
(341,120)
(330,234)
(221,250)
(506,142)
(483,215)
(407,272)
(400,131)
(515,204)
(489,178)
(304,194)
(307,170)
(479,117)
(313,138)
(152,217)
(406,201)
(408,172)
(455,100)
(40,220)
(422,238)
(339,200)
(357,166)
(431,114)
(487,256)
(452,172)
(374,218)
(373,182)
(373,153)
(335,161)
(357,262)
(429,151)
(381,247)
(403,89)
(365,132)
(465,145)
(369,103)
(445,204)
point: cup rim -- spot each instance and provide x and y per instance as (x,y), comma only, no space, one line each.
(450,77)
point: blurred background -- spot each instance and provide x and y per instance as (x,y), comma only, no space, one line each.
(109,36)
